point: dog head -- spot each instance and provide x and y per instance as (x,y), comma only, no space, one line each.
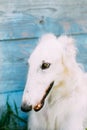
(47,65)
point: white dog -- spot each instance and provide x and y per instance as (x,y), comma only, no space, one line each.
(56,88)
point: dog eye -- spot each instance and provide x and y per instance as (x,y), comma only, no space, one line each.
(45,65)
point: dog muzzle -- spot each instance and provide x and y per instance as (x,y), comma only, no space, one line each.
(26,107)
(41,104)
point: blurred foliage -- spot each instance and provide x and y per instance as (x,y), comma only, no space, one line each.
(10,119)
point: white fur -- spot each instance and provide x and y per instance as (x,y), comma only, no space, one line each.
(66,105)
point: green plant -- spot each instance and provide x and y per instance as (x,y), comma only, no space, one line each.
(10,119)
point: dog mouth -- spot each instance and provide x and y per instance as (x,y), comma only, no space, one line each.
(41,103)
(26,108)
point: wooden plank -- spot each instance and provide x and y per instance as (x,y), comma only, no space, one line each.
(57,8)
(16,51)
(34,27)
(13,64)
(11,86)
(82,49)
(11,70)
(30,19)
(12,97)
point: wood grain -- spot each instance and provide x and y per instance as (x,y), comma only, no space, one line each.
(30,19)
(33,27)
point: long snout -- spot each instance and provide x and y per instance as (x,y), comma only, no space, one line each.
(26,106)
(29,103)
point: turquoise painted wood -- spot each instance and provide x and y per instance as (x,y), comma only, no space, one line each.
(29,19)
(13,64)
(29,26)
(21,24)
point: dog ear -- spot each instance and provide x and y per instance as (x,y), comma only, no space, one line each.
(49,37)
(68,44)
(69,52)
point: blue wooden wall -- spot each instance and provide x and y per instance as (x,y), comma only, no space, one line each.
(22,22)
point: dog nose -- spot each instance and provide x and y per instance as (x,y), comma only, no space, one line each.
(25,107)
